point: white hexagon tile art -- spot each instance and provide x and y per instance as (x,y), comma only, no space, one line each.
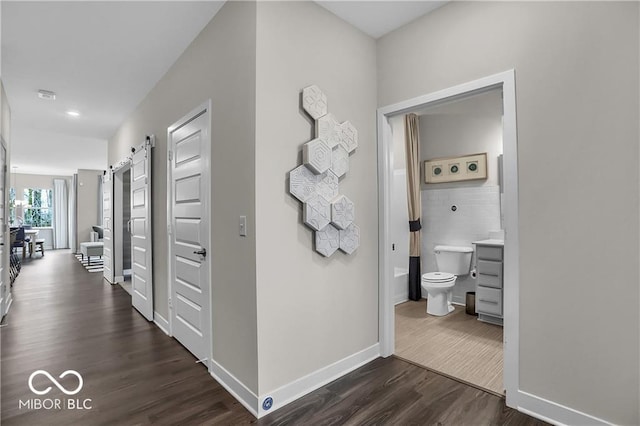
(327,240)
(328,185)
(316,182)
(329,130)
(342,212)
(339,161)
(316,212)
(316,155)
(314,101)
(348,136)
(350,238)
(302,183)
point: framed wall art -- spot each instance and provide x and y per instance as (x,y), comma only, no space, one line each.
(455,169)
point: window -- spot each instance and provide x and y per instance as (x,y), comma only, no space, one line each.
(38,209)
(12,205)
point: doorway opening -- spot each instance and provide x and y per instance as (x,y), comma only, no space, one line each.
(456,215)
(122,255)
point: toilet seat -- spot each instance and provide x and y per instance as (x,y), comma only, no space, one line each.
(438,277)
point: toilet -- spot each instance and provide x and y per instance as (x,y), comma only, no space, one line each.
(451,261)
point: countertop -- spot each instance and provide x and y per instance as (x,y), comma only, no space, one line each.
(494,242)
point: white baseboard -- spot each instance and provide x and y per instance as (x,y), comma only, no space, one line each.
(10,297)
(398,299)
(235,387)
(554,413)
(161,322)
(118,279)
(302,386)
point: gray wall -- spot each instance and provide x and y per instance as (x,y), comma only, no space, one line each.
(219,64)
(312,311)
(88,203)
(577,104)
(469,126)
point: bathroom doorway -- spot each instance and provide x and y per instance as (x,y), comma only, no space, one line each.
(457,214)
(122,226)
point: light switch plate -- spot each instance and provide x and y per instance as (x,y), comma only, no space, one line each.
(242,225)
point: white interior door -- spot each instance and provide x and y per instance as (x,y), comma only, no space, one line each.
(4,283)
(189,145)
(107,225)
(140,228)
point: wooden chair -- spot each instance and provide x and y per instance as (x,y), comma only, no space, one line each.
(39,246)
(20,241)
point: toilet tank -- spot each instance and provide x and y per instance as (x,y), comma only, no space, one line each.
(455,260)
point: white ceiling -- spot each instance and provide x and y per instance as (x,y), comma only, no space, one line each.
(378,18)
(102,59)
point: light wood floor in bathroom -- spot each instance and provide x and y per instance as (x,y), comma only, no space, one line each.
(457,345)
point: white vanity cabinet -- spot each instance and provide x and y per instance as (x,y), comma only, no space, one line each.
(489,266)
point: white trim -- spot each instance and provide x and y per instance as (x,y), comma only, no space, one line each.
(235,387)
(9,303)
(505,80)
(118,279)
(555,413)
(399,299)
(304,385)
(161,322)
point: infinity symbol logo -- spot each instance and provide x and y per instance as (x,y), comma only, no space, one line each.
(55,382)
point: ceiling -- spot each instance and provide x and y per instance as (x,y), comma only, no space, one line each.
(103,58)
(377,18)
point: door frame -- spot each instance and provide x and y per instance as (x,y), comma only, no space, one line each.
(506,81)
(203,109)
(6,263)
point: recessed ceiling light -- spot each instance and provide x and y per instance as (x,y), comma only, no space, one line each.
(47,95)
(73,113)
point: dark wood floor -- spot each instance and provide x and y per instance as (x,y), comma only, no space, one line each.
(66,318)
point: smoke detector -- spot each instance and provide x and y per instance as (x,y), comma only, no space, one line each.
(47,95)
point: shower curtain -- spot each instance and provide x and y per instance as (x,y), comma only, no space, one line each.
(414,202)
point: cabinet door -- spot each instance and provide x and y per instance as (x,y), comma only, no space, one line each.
(490,253)
(489,301)
(490,273)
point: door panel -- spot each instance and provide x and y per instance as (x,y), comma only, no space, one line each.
(190,287)
(141,245)
(107,224)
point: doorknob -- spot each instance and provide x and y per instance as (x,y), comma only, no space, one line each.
(202,252)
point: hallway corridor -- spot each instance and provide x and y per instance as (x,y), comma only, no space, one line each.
(65,318)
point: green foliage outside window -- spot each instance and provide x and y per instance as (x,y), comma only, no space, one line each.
(38,210)
(12,205)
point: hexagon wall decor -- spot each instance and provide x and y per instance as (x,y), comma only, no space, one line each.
(327,240)
(316,155)
(348,136)
(329,130)
(316,212)
(339,161)
(342,212)
(314,101)
(328,185)
(302,183)
(350,238)
(316,182)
